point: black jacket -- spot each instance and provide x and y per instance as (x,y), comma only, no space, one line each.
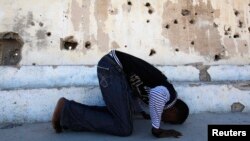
(142,76)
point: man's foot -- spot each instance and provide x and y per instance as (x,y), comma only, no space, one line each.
(56,115)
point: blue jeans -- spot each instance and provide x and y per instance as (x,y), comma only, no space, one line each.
(116,117)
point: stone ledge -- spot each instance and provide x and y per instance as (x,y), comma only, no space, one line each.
(36,105)
(28,77)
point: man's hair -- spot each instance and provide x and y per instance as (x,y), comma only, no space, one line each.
(182,111)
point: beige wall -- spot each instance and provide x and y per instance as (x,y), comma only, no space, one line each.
(165,32)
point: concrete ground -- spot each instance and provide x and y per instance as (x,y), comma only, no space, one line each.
(194,129)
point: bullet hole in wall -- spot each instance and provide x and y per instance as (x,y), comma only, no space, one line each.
(192,42)
(33,64)
(152,52)
(48,33)
(41,24)
(192,21)
(113,11)
(69,43)
(129,3)
(227,31)
(125,46)
(185,12)
(88,45)
(215,25)
(240,24)
(217,57)
(249,29)
(236,35)
(10,48)
(184,27)
(14,55)
(176,49)
(175,21)
(32,23)
(150,11)
(147,4)
(195,13)
(148,21)
(236,13)
(167,26)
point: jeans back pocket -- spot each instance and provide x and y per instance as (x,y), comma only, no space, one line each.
(104,76)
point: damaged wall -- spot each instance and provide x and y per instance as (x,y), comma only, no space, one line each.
(166,32)
(10,48)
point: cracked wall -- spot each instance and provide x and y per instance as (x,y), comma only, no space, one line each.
(167,32)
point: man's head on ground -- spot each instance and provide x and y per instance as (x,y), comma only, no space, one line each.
(177,114)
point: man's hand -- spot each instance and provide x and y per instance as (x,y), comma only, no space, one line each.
(145,115)
(161,133)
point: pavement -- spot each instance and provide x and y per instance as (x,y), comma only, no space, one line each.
(194,129)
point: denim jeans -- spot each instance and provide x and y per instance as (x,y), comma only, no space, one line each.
(116,117)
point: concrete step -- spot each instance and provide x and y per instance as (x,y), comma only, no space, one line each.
(37,104)
(65,76)
(29,93)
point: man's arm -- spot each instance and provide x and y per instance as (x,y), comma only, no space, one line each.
(156,104)
(161,133)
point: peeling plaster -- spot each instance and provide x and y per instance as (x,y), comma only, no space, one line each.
(194,30)
(234,16)
(115,45)
(243,86)
(101,15)
(80,16)
(208,31)
(204,75)
(76,14)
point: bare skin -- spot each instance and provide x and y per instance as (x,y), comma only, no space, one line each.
(168,115)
